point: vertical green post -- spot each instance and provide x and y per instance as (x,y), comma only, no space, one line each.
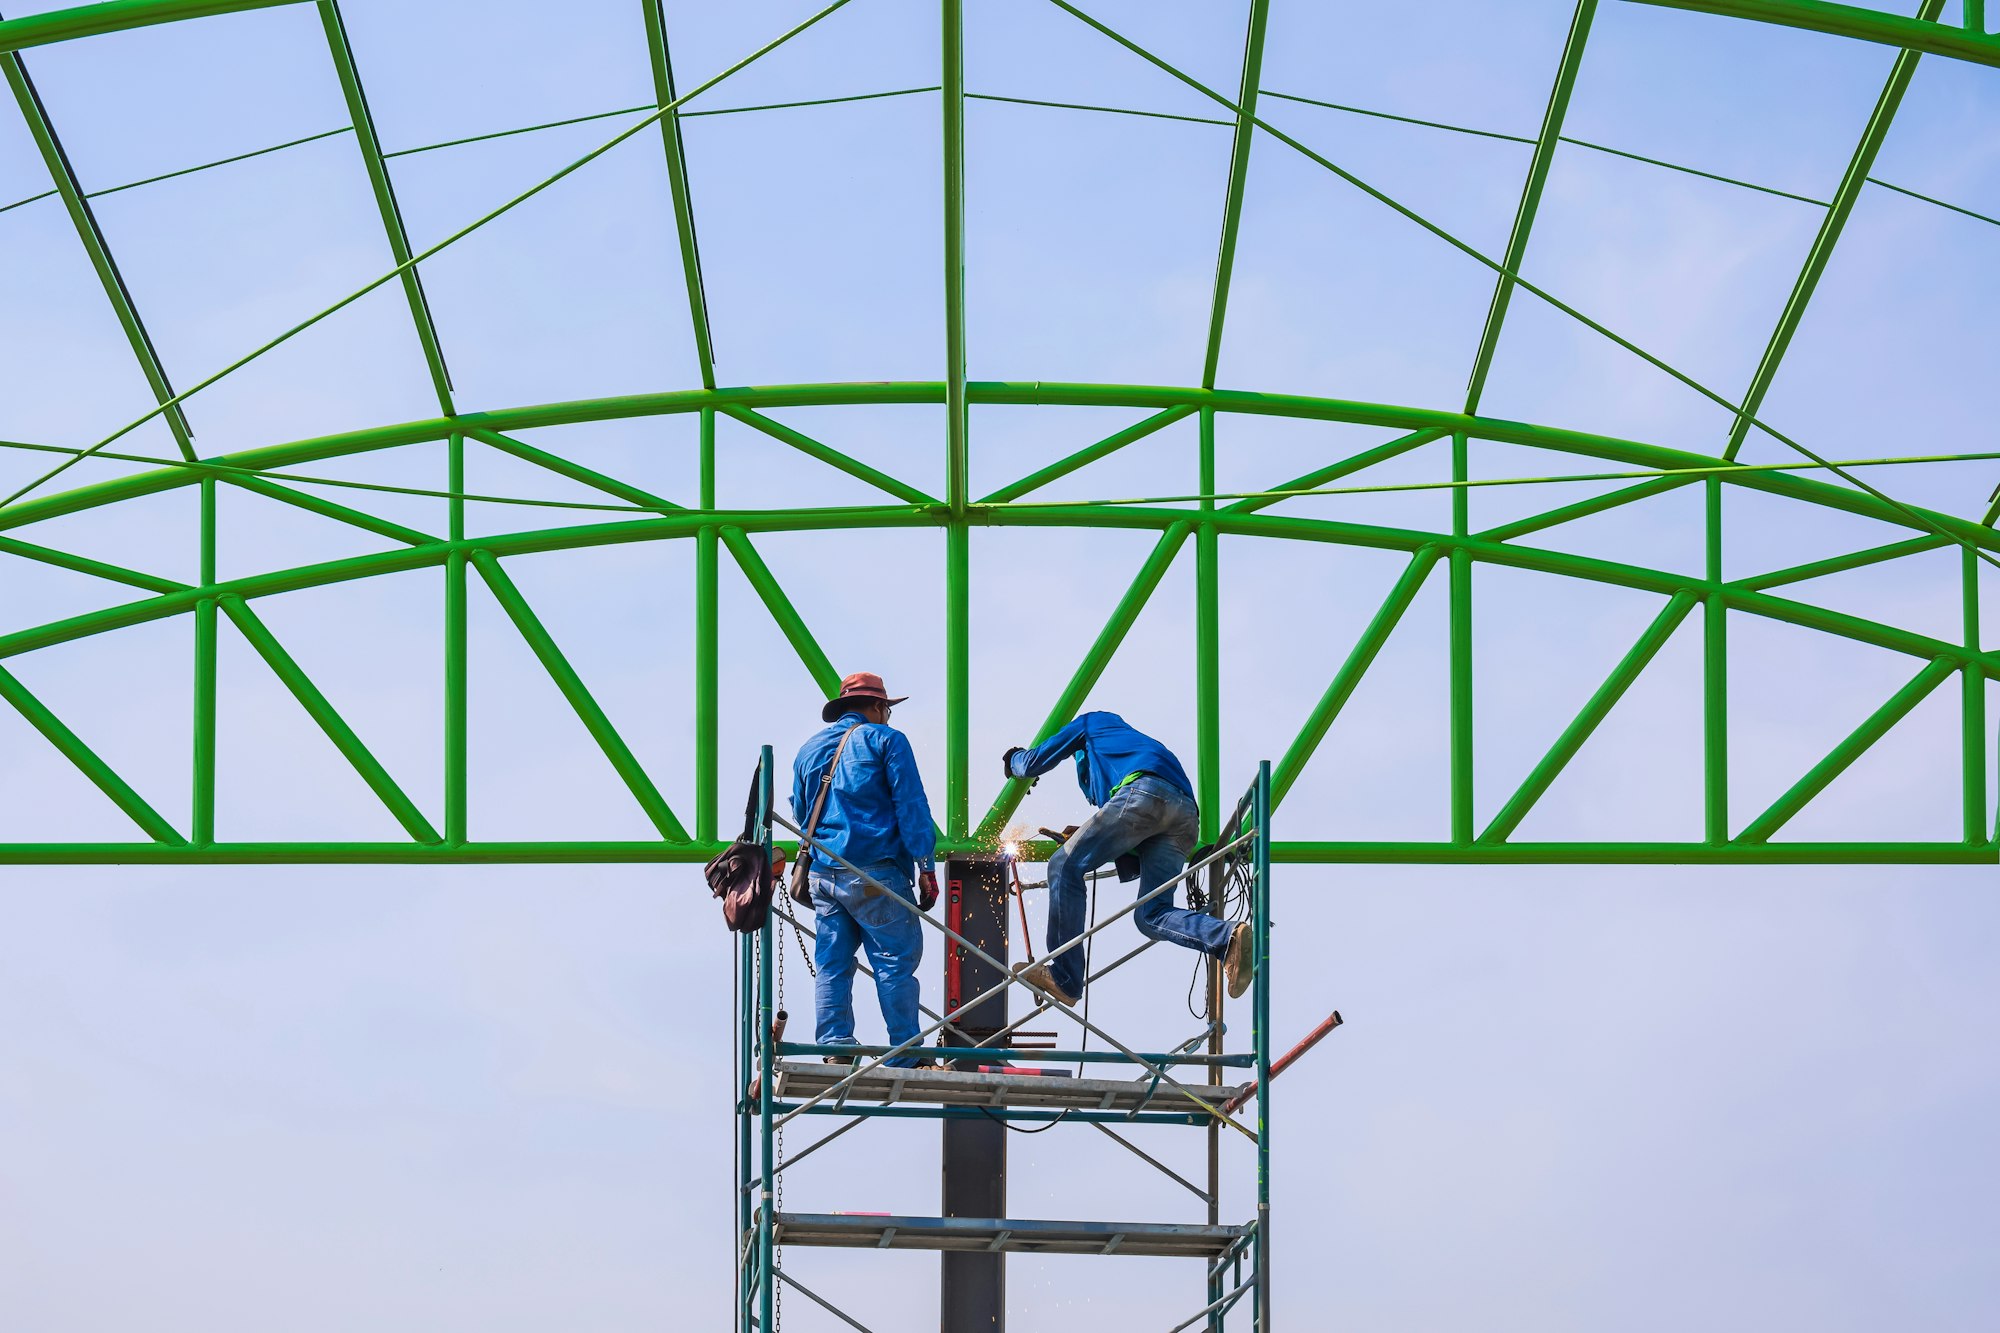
(1208,644)
(204,678)
(1261,1038)
(707,635)
(1461,654)
(767,1195)
(1975,16)
(958,610)
(1973,708)
(1715,683)
(456,706)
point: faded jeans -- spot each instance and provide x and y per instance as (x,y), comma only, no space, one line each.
(849,914)
(1158,822)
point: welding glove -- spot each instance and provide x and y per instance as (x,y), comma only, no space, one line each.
(927,890)
(1007,765)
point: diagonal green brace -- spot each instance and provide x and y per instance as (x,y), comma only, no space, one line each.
(1830,228)
(1092,667)
(1089,454)
(286,668)
(573,689)
(1594,712)
(1367,458)
(1344,682)
(564,467)
(1239,168)
(1531,198)
(83,564)
(340,513)
(87,762)
(1844,754)
(677,182)
(782,611)
(806,444)
(1840,564)
(1597,504)
(92,235)
(385,198)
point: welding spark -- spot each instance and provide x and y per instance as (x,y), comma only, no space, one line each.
(1010,850)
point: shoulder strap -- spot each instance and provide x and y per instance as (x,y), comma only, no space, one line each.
(819,804)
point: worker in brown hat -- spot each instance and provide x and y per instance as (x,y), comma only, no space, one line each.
(855,789)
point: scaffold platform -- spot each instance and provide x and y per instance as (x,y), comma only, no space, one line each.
(799,1082)
(1008,1235)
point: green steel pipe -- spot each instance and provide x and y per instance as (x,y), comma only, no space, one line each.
(1856,744)
(1105,447)
(1239,167)
(85,565)
(1714,677)
(87,762)
(1367,458)
(64,25)
(385,198)
(1868,25)
(340,513)
(782,611)
(677,183)
(1830,228)
(807,445)
(952,59)
(457,657)
(84,220)
(205,686)
(563,467)
(1972,712)
(587,709)
(1539,779)
(1282,853)
(1116,627)
(1531,199)
(1208,646)
(1841,563)
(1359,659)
(1459,613)
(286,668)
(958,679)
(1645,490)
(707,648)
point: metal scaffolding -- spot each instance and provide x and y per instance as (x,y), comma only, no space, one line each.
(781,1082)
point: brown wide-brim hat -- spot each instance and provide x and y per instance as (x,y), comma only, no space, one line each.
(855,688)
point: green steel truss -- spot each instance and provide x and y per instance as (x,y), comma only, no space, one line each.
(1451,557)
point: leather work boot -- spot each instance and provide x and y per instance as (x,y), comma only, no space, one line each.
(1237,964)
(1038,975)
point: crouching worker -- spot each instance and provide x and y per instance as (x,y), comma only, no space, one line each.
(1145,807)
(856,791)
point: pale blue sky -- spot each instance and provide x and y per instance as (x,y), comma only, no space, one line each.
(496,1098)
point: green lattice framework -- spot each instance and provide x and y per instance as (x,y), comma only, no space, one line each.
(1448,556)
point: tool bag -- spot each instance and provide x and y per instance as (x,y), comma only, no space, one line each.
(801,889)
(741,875)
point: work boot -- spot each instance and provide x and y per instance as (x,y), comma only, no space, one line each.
(1237,963)
(1038,975)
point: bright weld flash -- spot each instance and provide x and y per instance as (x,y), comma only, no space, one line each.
(1010,850)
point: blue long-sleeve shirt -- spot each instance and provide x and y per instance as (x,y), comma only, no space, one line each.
(1107,750)
(876,813)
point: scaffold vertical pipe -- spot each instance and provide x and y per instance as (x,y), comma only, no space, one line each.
(741,1250)
(767,1195)
(1261,1038)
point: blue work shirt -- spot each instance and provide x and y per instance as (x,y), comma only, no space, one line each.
(1107,751)
(876,813)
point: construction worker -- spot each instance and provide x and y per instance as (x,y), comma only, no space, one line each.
(1146,809)
(868,808)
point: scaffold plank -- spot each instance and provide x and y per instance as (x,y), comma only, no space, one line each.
(952,1087)
(1007,1235)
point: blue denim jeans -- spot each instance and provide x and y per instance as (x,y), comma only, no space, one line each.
(849,914)
(1158,822)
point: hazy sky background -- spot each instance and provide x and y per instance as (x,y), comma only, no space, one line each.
(497,1098)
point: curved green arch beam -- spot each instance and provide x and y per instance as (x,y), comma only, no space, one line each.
(1933,659)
